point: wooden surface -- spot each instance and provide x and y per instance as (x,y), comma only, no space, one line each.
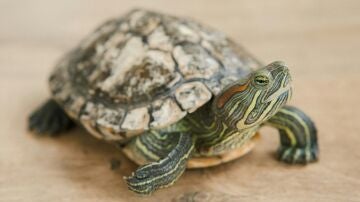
(320,40)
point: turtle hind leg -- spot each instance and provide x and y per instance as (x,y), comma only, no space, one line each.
(50,119)
(164,172)
(298,136)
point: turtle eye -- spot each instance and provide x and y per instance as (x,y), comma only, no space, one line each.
(261,80)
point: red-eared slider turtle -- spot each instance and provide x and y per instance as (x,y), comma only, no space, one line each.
(173,93)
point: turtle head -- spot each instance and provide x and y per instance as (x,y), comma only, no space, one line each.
(253,100)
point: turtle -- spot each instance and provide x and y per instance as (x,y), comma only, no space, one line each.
(172,94)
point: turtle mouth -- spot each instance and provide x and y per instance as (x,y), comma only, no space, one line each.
(281,92)
(285,87)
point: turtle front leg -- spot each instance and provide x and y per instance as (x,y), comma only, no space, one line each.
(165,171)
(298,136)
(50,119)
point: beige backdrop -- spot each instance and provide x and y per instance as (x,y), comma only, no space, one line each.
(320,40)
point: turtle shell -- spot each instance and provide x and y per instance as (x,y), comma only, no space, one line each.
(144,71)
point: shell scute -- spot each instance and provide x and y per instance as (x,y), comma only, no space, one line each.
(192,95)
(195,62)
(165,112)
(136,120)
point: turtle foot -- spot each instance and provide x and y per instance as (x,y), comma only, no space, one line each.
(49,119)
(164,172)
(153,176)
(297,155)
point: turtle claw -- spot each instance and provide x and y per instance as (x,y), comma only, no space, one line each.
(297,155)
(49,119)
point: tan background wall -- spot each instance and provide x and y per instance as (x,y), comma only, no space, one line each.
(320,40)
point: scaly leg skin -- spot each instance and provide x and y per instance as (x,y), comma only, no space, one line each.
(50,119)
(168,169)
(298,136)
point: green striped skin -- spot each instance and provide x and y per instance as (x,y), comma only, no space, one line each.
(298,135)
(165,168)
(230,125)
(225,123)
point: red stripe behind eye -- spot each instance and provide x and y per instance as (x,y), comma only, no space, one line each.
(229,93)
